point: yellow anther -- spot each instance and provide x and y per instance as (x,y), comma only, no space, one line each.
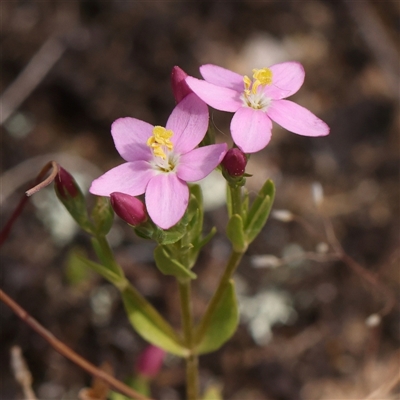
(264,76)
(247,85)
(161,138)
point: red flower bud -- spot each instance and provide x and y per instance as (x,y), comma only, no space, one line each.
(129,208)
(234,162)
(179,86)
(66,184)
(150,361)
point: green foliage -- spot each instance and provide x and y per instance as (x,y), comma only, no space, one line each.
(74,272)
(144,318)
(169,266)
(149,324)
(75,205)
(235,233)
(259,211)
(102,216)
(222,324)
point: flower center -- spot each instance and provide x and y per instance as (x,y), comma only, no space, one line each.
(159,142)
(162,148)
(252,97)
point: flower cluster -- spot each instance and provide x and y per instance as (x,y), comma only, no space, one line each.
(161,160)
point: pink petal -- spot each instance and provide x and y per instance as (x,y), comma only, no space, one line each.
(129,178)
(189,122)
(130,136)
(218,97)
(222,77)
(296,119)
(198,163)
(166,199)
(287,79)
(251,129)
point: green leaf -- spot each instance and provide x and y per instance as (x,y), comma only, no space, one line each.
(149,323)
(235,233)
(169,236)
(223,322)
(194,252)
(118,280)
(102,215)
(196,222)
(145,319)
(259,211)
(75,272)
(169,266)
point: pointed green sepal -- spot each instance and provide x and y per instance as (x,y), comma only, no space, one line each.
(259,211)
(235,233)
(223,322)
(169,266)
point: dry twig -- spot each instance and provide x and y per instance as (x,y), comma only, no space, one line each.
(68,352)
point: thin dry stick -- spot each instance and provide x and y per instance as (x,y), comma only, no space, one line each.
(30,77)
(340,254)
(359,269)
(21,373)
(375,34)
(39,183)
(69,353)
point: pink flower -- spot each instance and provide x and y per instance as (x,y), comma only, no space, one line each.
(159,161)
(150,361)
(258,102)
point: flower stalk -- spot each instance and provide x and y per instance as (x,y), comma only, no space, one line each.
(192,384)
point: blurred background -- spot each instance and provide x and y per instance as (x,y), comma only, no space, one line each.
(312,326)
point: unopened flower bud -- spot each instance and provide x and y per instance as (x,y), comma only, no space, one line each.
(129,208)
(235,162)
(66,185)
(179,87)
(150,361)
(71,196)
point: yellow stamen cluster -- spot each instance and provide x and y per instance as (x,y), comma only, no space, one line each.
(261,77)
(161,138)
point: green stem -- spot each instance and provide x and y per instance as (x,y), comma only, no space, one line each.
(233,262)
(192,385)
(231,266)
(236,198)
(105,254)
